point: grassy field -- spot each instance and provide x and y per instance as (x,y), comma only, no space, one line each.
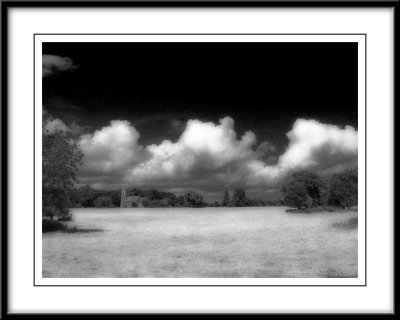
(210,242)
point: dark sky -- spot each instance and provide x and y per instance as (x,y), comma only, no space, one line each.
(263,87)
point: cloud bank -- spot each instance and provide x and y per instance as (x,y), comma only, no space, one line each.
(211,156)
(52,125)
(52,64)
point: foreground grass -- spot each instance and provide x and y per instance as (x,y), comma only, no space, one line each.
(349,224)
(209,242)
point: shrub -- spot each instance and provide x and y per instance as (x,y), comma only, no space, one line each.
(103,202)
(65,218)
(226,199)
(49,225)
(193,199)
(239,198)
(295,194)
(344,189)
(304,189)
(53,211)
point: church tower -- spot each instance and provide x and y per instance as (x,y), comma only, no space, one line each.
(123,197)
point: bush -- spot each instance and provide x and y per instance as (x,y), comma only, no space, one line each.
(239,198)
(65,218)
(49,225)
(344,189)
(295,194)
(226,199)
(59,212)
(103,202)
(305,189)
(193,199)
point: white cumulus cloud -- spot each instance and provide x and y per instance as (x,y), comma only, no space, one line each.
(320,146)
(312,145)
(204,148)
(111,150)
(212,156)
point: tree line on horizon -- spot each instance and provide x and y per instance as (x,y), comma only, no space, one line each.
(61,160)
(87,197)
(305,189)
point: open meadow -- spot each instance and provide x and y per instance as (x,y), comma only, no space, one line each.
(249,242)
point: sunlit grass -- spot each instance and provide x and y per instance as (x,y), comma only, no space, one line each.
(210,242)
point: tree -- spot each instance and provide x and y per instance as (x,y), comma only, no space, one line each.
(193,199)
(239,198)
(103,202)
(172,200)
(324,195)
(304,189)
(180,201)
(60,161)
(83,197)
(154,195)
(295,194)
(344,188)
(257,203)
(115,198)
(225,199)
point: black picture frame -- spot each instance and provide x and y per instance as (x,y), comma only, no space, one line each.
(6,5)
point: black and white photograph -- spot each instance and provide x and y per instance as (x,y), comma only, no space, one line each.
(200,159)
